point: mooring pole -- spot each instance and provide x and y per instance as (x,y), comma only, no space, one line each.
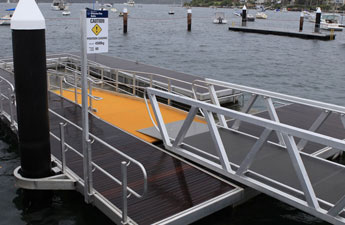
(125,19)
(301,20)
(189,19)
(30,76)
(244,16)
(317,20)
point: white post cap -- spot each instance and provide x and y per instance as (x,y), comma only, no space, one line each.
(189,10)
(244,7)
(302,14)
(318,10)
(125,10)
(27,16)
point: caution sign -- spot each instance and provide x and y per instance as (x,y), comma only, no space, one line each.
(97,31)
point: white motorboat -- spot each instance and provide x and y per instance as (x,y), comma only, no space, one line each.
(237,13)
(6,20)
(108,7)
(219,18)
(66,13)
(330,22)
(129,3)
(250,18)
(58,5)
(171,12)
(261,15)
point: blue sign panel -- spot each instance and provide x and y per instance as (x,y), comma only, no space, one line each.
(91,13)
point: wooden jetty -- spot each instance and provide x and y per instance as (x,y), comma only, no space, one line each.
(304,35)
(280,152)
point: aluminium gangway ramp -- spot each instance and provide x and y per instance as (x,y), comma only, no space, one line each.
(177,191)
(276,152)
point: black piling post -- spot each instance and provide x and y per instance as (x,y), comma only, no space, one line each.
(30,75)
(125,19)
(244,16)
(189,19)
(317,20)
(301,20)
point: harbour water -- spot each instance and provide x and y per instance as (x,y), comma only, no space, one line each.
(304,68)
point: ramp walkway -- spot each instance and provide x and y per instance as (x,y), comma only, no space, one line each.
(133,182)
(276,152)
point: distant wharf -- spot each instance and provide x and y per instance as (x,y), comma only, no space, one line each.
(199,167)
(296,34)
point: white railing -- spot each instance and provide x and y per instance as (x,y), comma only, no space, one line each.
(221,163)
(170,84)
(8,96)
(89,185)
(126,190)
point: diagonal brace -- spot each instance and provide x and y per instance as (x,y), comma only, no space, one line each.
(245,109)
(247,162)
(335,210)
(215,101)
(274,116)
(317,123)
(301,171)
(162,128)
(218,144)
(185,126)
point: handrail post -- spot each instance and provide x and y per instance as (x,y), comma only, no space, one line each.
(117,80)
(63,150)
(61,91)
(151,81)
(48,82)
(1,104)
(102,77)
(124,192)
(169,90)
(90,96)
(134,81)
(75,88)
(12,103)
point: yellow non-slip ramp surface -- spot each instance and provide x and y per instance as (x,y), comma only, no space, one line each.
(127,112)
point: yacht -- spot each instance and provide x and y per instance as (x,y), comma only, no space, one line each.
(58,5)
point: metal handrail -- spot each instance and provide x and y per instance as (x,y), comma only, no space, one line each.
(275,95)
(133,72)
(238,171)
(142,168)
(11,99)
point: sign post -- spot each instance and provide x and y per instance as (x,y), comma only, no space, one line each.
(94,39)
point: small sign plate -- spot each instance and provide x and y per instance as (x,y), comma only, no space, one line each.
(96,31)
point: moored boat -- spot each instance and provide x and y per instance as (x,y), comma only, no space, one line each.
(219,18)
(261,15)
(6,20)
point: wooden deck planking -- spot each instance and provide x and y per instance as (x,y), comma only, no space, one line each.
(167,178)
(173,185)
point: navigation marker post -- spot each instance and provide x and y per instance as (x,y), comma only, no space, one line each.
(317,20)
(94,39)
